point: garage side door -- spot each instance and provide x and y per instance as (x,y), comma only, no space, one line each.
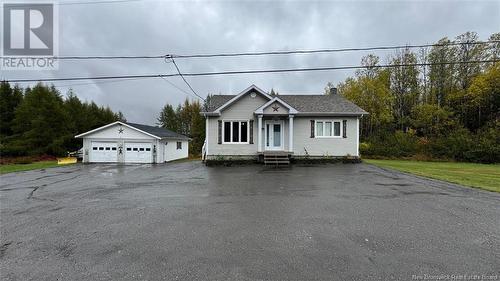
(103,152)
(138,152)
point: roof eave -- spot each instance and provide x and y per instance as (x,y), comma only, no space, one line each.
(291,109)
(177,138)
(242,93)
(114,123)
(212,113)
(332,113)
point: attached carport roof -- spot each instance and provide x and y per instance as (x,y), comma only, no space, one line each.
(156,132)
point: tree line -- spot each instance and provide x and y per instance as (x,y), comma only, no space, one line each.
(443,111)
(185,119)
(449,111)
(38,120)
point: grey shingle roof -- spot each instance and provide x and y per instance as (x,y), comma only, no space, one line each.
(217,101)
(158,131)
(304,103)
(321,104)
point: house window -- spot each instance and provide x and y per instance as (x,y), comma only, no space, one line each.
(179,145)
(328,129)
(336,129)
(235,132)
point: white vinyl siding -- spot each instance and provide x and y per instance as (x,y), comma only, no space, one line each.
(304,145)
(170,150)
(241,110)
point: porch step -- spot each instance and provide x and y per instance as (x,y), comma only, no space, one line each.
(276,158)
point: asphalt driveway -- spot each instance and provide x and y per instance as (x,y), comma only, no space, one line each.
(184,221)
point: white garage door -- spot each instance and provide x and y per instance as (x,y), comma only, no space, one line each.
(138,152)
(103,152)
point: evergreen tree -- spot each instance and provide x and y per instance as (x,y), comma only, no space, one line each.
(186,119)
(40,122)
(168,118)
(10,98)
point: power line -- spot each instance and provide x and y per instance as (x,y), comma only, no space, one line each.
(290,52)
(116,81)
(185,81)
(94,2)
(285,70)
(95,82)
(178,88)
(106,57)
(332,50)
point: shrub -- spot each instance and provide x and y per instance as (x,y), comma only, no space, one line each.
(399,144)
(23,160)
(486,147)
(454,145)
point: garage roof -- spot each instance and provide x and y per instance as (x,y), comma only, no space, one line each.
(157,132)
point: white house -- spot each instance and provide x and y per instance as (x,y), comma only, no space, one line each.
(253,124)
(122,142)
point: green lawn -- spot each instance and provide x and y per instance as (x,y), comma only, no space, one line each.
(10,168)
(484,176)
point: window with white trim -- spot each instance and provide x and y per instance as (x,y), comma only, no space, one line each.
(235,131)
(328,129)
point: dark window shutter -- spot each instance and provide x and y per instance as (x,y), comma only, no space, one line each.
(344,128)
(251,131)
(219,132)
(312,128)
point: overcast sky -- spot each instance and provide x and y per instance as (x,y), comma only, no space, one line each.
(153,27)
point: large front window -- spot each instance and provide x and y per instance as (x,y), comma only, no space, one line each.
(235,132)
(328,129)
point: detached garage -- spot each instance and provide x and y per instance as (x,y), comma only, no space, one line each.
(123,142)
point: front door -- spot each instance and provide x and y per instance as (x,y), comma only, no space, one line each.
(274,135)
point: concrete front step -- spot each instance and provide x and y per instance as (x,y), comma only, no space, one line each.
(276,158)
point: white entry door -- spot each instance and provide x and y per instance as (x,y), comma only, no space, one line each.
(138,152)
(274,135)
(103,152)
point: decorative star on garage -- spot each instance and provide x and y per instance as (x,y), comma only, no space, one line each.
(120,130)
(275,108)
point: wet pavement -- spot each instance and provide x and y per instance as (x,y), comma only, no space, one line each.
(185,221)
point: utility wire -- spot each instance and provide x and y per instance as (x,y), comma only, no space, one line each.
(178,88)
(290,52)
(94,2)
(331,50)
(104,57)
(185,81)
(248,71)
(95,82)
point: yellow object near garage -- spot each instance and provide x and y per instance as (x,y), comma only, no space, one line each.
(66,160)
